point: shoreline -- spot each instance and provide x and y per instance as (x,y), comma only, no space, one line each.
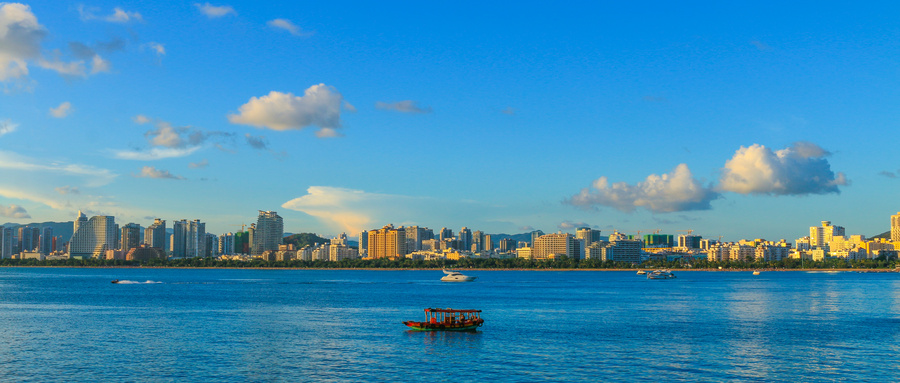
(467,269)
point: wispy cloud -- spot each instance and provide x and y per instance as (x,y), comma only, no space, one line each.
(319,106)
(13,211)
(406,106)
(152,172)
(6,127)
(799,169)
(199,165)
(287,25)
(509,111)
(888,174)
(67,190)
(154,153)
(257,142)
(61,111)
(569,225)
(760,45)
(157,48)
(118,15)
(215,11)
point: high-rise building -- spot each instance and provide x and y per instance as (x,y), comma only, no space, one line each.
(25,239)
(487,244)
(6,242)
(465,238)
(689,241)
(821,236)
(587,235)
(196,239)
(387,242)
(269,232)
(155,235)
(226,244)
(535,235)
(93,237)
(242,242)
(414,237)
(445,234)
(47,240)
(363,243)
(131,236)
(895,227)
(179,238)
(507,245)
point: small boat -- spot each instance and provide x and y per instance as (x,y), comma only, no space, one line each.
(755,272)
(448,320)
(641,272)
(115,281)
(660,274)
(456,276)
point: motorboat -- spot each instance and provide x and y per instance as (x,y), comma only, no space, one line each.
(641,272)
(660,274)
(755,272)
(448,320)
(456,276)
(115,281)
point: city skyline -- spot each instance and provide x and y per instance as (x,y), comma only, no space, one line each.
(718,118)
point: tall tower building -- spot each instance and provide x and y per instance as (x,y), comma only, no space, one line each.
(820,236)
(226,244)
(179,238)
(465,238)
(895,227)
(6,242)
(587,235)
(363,243)
(535,235)
(93,237)
(446,234)
(387,242)
(269,232)
(195,243)
(47,240)
(155,235)
(131,236)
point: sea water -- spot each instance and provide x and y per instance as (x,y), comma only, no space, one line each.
(72,324)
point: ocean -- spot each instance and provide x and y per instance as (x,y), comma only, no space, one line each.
(231,325)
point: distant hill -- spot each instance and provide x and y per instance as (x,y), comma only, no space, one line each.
(60,229)
(524,237)
(304,239)
(885,235)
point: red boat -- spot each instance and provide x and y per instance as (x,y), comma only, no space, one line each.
(448,320)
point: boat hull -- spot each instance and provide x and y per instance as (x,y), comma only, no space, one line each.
(426,326)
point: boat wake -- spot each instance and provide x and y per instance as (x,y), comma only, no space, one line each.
(127,282)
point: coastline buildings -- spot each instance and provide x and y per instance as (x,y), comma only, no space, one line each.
(155,235)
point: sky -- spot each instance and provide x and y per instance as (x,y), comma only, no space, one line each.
(734,119)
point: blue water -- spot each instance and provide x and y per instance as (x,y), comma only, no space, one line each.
(333,325)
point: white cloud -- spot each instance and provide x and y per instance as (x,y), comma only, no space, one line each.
(141,119)
(796,170)
(213,11)
(509,110)
(151,172)
(13,161)
(6,127)
(349,210)
(121,16)
(675,191)
(407,106)
(154,153)
(13,211)
(20,40)
(569,225)
(62,110)
(289,26)
(319,106)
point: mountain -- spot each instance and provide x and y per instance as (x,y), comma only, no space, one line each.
(524,237)
(304,239)
(885,235)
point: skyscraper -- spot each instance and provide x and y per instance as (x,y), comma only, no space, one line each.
(446,234)
(92,237)
(269,232)
(131,236)
(155,235)
(47,240)
(465,239)
(6,242)
(895,227)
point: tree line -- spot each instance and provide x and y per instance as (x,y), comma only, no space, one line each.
(464,263)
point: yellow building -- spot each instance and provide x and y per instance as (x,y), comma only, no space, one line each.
(387,242)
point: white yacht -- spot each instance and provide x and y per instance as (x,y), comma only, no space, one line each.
(660,274)
(456,276)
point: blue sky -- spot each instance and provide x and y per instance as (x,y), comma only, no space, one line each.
(742,120)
